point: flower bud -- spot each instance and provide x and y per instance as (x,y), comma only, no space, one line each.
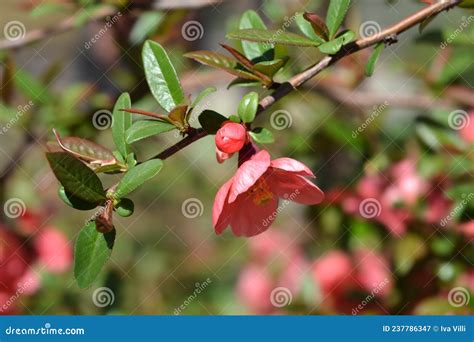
(231,137)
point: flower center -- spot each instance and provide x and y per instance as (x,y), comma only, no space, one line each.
(260,192)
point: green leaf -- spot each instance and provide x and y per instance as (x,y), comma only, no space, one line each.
(73,201)
(77,178)
(202,95)
(122,121)
(138,175)
(125,207)
(161,76)
(336,12)
(332,47)
(306,28)
(146,128)
(220,61)
(251,20)
(92,251)
(370,66)
(318,25)
(467,4)
(242,82)
(146,23)
(262,136)
(272,37)
(46,8)
(211,121)
(234,118)
(248,107)
(31,88)
(270,68)
(407,251)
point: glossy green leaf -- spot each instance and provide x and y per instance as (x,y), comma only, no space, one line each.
(370,66)
(91,252)
(125,207)
(251,20)
(336,13)
(211,121)
(272,37)
(306,28)
(73,201)
(242,82)
(248,107)
(270,68)
(79,180)
(205,92)
(262,136)
(122,121)
(220,61)
(318,25)
(138,175)
(332,47)
(161,76)
(146,128)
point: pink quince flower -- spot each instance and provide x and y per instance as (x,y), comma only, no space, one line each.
(467,131)
(230,138)
(54,250)
(248,202)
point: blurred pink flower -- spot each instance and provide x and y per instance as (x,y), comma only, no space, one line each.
(373,272)
(254,287)
(248,202)
(467,229)
(332,273)
(53,250)
(467,131)
(230,138)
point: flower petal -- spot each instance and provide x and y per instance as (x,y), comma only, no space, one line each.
(251,219)
(248,173)
(222,156)
(220,211)
(295,188)
(292,165)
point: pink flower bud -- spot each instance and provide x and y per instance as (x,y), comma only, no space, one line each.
(231,137)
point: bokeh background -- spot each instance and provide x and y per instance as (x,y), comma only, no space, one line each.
(393,153)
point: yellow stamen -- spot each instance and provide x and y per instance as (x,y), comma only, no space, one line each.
(261,192)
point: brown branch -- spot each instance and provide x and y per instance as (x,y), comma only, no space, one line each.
(388,36)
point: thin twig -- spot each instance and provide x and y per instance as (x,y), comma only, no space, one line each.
(388,35)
